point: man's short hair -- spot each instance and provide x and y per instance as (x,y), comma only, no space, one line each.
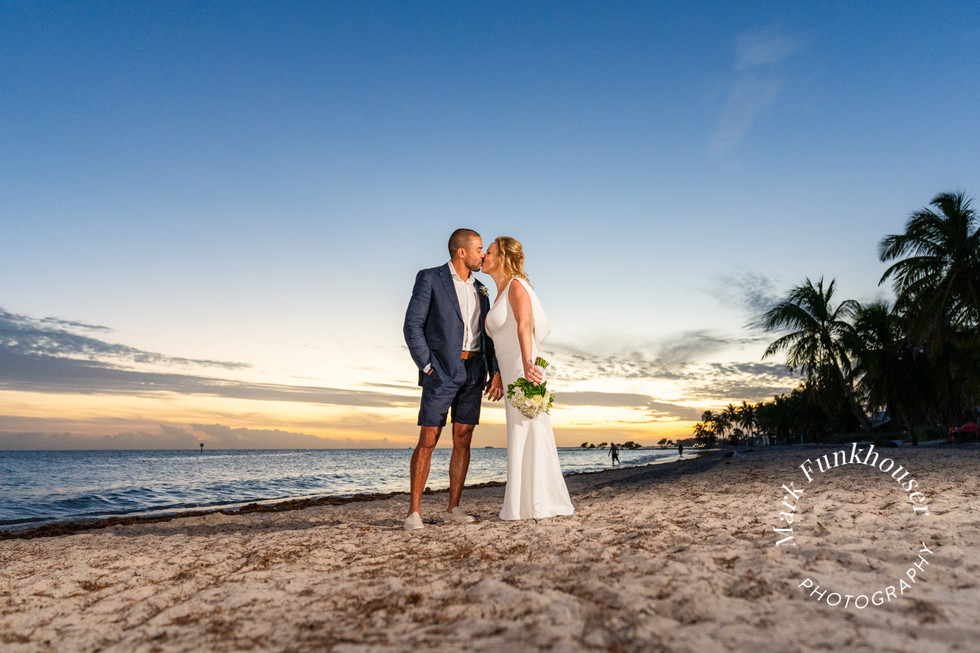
(461,238)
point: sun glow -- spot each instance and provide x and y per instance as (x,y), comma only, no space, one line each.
(96,415)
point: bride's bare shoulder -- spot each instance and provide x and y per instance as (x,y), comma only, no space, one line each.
(518,293)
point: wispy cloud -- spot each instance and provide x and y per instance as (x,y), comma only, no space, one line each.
(751,382)
(23,335)
(46,355)
(66,375)
(608,399)
(215,436)
(756,84)
(762,48)
(679,359)
(666,412)
(753,292)
(667,358)
(636,363)
(652,408)
(747,99)
(50,356)
(693,346)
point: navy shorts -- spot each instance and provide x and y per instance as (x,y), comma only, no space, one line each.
(439,397)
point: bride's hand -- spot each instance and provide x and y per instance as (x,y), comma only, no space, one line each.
(533,373)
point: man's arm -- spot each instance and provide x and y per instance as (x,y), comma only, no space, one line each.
(418,310)
(491,356)
(495,386)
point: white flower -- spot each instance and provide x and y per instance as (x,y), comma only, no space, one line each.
(531,398)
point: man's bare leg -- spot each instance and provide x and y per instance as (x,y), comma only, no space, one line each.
(459,462)
(421,458)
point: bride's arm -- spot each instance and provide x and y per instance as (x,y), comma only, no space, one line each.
(520,304)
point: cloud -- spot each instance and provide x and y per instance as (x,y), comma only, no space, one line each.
(752,382)
(44,356)
(225,437)
(66,375)
(638,362)
(215,436)
(753,292)
(64,324)
(679,359)
(666,359)
(20,334)
(762,48)
(755,86)
(666,412)
(691,346)
(655,409)
(48,356)
(606,399)
(747,99)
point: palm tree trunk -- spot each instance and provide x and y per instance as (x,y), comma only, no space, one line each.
(849,394)
(856,408)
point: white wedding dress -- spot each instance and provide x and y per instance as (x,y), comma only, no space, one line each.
(535,486)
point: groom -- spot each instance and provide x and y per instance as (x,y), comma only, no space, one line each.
(445,335)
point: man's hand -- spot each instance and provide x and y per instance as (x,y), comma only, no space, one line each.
(495,387)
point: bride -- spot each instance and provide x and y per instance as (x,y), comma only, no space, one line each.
(517,324)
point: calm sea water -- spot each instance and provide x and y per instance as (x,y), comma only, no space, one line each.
(38,487)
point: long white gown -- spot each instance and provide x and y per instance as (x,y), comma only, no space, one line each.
(535,487)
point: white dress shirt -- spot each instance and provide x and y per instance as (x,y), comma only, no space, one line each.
(469,307)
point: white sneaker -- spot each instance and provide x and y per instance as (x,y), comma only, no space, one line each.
(414,522)
(457,516)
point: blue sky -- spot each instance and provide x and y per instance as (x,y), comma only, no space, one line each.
(212,213)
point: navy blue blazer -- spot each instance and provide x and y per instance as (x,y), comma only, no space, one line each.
(434,326)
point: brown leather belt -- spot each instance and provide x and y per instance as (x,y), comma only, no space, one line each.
(469,354)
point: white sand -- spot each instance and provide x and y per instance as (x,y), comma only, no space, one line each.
(678,557)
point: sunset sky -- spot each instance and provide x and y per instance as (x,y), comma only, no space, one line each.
(211,213)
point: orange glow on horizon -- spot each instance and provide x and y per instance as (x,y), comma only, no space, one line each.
(105,415)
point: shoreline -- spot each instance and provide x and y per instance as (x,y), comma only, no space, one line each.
(659,557)
(77,525)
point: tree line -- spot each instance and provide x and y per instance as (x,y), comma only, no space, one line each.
(913,363)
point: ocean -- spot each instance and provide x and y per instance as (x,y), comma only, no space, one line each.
(41,487)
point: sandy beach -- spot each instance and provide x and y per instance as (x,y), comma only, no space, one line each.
(672,557)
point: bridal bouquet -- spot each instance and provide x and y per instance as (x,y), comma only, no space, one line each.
(531,398)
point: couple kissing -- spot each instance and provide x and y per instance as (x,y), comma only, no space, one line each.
(466,347)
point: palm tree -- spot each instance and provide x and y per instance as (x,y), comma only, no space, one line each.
(722,425)
(746,419)
(732,419)
(936,277)
(890,372)
(939,276)
(815,344)
(704,436)
(771,419)
(717,423)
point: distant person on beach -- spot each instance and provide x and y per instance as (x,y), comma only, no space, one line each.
(614,453)
(680,449)
(445,335)
(517,323)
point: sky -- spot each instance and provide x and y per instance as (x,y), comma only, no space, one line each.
(212,213)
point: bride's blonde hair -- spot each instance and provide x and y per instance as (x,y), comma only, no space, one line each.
(511,254)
